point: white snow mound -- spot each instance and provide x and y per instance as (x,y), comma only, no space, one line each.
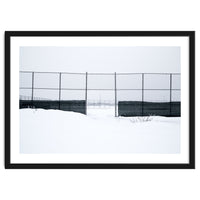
(54,131)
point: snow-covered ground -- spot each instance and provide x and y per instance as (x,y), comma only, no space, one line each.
(54,131)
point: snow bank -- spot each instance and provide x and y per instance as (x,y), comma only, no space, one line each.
(54,131)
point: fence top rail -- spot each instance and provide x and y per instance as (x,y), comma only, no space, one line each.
(48,88)
(100,73)
(52,72)
(148,73)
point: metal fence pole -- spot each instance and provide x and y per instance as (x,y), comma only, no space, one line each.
(59,89)
(32,98)
(170,104)
(142,94)
(86,85)
(115,75)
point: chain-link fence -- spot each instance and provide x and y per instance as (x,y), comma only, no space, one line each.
(132,94)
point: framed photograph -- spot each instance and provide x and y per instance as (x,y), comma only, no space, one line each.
(100,99)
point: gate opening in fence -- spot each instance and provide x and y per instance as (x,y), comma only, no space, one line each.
(129,94)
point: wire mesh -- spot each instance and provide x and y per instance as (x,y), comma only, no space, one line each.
(129,91)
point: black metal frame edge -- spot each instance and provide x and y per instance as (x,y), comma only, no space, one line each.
(98,33)
(99,166)
(192,99)
(7,101)
(190,165)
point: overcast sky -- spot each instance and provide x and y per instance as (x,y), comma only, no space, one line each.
(100,59)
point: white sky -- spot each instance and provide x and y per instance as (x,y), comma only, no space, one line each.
(101,59)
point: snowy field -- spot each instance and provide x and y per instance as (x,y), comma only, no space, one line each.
(54,131)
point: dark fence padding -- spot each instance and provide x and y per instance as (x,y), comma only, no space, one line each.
(73,105)
(175,109)
(129,108)
(137,108)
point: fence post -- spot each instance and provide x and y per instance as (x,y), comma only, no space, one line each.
(86,80)
(32,98)
(59,89)
(115,75)
(142,94)
(170,104)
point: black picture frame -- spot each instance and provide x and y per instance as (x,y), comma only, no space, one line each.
(191,37)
